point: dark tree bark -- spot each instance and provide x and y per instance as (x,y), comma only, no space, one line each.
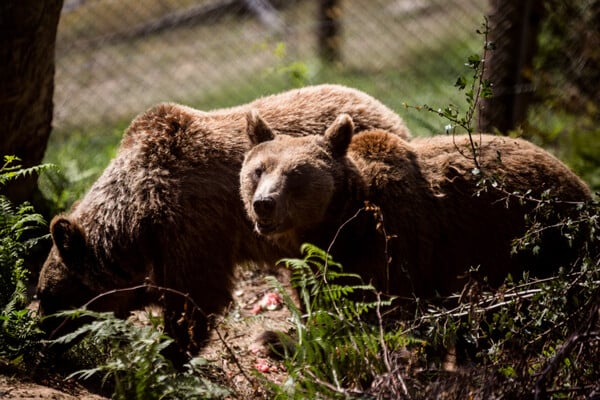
(27,40)
(514,26)
(329,30)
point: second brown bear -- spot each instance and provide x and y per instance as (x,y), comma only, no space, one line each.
(438,218)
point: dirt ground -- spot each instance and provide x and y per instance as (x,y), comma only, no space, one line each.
(232,349)
(233,346)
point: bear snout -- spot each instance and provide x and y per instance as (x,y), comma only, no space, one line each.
(264,206)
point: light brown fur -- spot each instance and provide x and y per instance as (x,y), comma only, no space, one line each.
(167,207)
(304,189)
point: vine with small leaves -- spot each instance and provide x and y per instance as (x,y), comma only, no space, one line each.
(475,87)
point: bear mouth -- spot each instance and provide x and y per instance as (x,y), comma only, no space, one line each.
(266,228)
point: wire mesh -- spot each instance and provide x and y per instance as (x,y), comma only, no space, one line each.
(116,58)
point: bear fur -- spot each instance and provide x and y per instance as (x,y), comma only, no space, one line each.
(167,210)
(438,220)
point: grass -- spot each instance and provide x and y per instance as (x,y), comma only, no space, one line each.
(80,159)
(237,59)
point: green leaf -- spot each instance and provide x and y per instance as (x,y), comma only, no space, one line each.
(486,89)
(461,82)
(473,61)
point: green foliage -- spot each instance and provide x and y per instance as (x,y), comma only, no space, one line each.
(19,336)
(337,352)
(577,222)
(134,364)
(11,169)
(79,160)
(296,72)
(532,335)
(15,225)
(19,226)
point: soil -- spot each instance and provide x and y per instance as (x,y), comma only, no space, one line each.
(234,346)
(233,349)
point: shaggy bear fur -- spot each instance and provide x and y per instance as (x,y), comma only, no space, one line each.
(438,219)
(167,211)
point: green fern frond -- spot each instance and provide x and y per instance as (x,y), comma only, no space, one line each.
(135,363)
(11,170)
(18,235)
(335,346)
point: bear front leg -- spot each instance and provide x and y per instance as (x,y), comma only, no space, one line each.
(186,325)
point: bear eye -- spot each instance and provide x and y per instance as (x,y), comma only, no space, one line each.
(258,171)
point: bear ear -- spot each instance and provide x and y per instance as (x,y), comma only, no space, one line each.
(257,129)
(68,238)
(339,135)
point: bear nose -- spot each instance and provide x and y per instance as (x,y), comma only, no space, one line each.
(264,206)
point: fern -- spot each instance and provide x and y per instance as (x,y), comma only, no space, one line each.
(11,170)
(337,351)
(18,235)
(134,364)
(17,224)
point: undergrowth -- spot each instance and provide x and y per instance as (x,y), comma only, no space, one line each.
(133,364)
(337,351)
(19,233)
(531,338)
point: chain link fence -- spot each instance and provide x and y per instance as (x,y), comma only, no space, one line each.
(116,58)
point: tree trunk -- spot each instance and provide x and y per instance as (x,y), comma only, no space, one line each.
(27,39)
(328,34)
(514,26)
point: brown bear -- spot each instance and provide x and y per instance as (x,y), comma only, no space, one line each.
(438,219)
(167,208)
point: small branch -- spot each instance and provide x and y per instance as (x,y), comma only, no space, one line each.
(235,359)
(339,230)
(528,198)
(489,303)
(335,389)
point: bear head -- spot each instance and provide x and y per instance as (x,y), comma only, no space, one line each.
(72,276)
(288,183)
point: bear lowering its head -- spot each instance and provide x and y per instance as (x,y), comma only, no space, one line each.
(167,208)
(303,189)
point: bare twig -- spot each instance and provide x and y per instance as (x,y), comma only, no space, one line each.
(339,230)
(335,389)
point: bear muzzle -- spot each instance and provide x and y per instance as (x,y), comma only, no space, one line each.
(264,207)
(265,214)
